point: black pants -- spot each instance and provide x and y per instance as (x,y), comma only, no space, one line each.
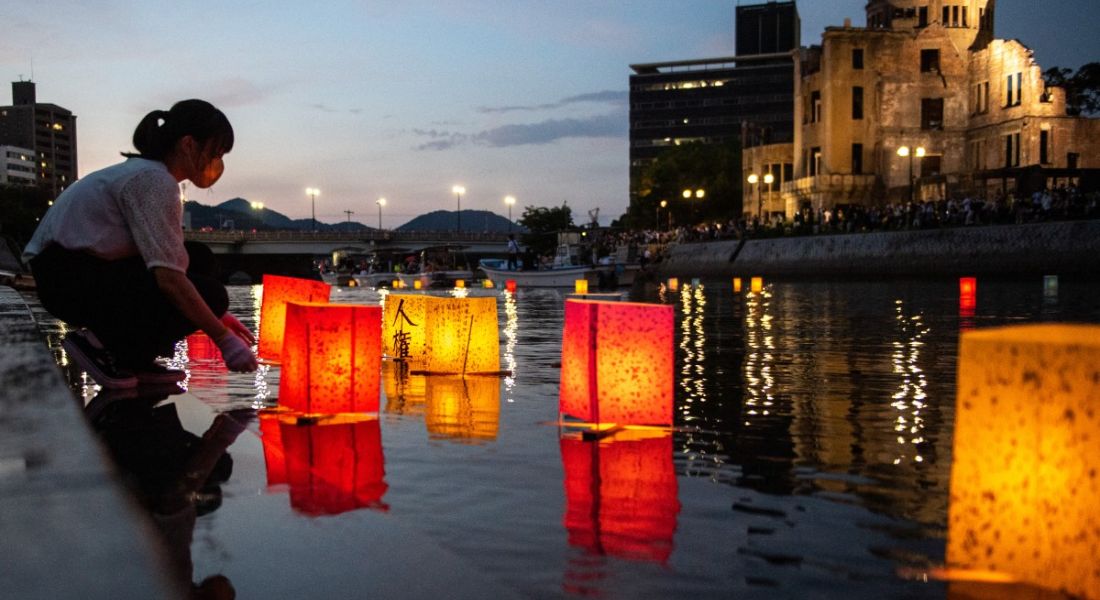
(513,261)
(119,300)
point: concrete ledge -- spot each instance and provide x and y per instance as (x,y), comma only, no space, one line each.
(1069,248)
(67,529)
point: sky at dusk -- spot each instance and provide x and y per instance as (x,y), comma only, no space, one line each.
(405,99)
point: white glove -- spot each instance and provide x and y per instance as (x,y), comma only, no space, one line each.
(236,353)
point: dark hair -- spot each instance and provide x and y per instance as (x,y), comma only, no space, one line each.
(156,135)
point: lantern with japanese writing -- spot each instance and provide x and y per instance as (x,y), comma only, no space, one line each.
(463,408)
(277,292)
(617,362)
(331,358)
(404,326)
(621,495)
(1025,477)
(462,336)
(334,468)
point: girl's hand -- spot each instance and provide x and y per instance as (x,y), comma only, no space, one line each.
(237,328)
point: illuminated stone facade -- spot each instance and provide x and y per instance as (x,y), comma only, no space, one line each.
(924,74)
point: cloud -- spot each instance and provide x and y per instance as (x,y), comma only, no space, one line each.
(543,132)
(609,96)
(329,109)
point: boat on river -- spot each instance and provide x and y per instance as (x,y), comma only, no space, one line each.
(438,267)
(566,268)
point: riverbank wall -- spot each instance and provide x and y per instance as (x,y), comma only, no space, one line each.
(1065,248)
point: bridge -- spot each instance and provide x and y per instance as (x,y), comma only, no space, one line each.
(291,253)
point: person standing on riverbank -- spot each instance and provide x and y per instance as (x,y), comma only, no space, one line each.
(109,255)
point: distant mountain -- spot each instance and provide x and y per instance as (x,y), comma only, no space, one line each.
(239,214)
(472,221)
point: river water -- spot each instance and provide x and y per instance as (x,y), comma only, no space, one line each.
(811,457)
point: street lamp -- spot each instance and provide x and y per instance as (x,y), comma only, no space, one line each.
(458,191)
(313,192)
(257,205)
(509,200)
(904,151)
(699,193)
(380,202)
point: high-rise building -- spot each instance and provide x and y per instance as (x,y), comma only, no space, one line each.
(747,98)
(17,166)
(47,129)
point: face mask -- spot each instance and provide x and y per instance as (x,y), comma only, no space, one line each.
(205,170)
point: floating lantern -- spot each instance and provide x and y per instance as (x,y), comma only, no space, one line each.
(1050,286)
(334,468)
(487,283)
(673,284)
(1024,479)
(580,286)
(460,283)
(617,362)
(331,358)
(403,325)
(417,284)
(968,286)
(621,496)
(463,408)
(462,336)
(694,282)
(510,285)
(737,285)
(756,285)
(277,292)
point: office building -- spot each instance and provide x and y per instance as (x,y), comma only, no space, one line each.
(47,129)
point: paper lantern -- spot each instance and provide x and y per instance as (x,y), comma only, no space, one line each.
(968,286)
(737,285)
(487,283)
(580,286)
(417,284)
(1050,286)
(334,468)
(460,283)
(463,408)
(617,362)
(510,285)
(404,323)
(621,496)
(396,284)
(756,285)
(274,454)
(462,336)
(331,358)
(277,292)
(1025,477)
(673,284)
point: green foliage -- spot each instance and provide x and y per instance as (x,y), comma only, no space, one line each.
(716,169)
(20,209)
(1082,88)
(543,224)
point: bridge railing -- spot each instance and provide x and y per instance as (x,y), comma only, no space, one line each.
(233,236)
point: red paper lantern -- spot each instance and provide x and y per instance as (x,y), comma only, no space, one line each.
(510,285)
(332,358)
(277,292)
(621,496)
(334,468)
(968,286)
(617,362)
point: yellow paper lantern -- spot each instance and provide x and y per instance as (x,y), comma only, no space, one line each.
(580,286)
(756,285)
(463,408)
(462,335)
(737,285)
(487,283)
(417,284)
(617,363)
(396,284)
(278,291)
(1025,482)
(460,283)
(403,326)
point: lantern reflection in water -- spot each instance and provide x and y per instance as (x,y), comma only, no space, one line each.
(331,358)
(205,368)
(463,408)
(405,393)
(617,363)
(277,292)
(328,468)
(1024,480)
(621,495)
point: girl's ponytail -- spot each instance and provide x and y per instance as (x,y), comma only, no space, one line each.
(156,135)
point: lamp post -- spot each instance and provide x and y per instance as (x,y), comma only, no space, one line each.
(754,180)
(903,152)
(698,193)
(458,191)
(313,192)
(380,202)
(768,179)
(509,200)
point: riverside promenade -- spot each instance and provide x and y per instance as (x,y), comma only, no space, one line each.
(1065,248)
(67,528)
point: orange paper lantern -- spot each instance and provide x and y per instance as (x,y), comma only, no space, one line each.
(621,496)
(673,284)
(417,284)
(277,292)
(331,358)
(463,408)
(968,286)
(737,284)
(756,285)
(460,283)
(334,468)
(617,362)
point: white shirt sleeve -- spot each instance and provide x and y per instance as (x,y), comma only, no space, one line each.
(150,205)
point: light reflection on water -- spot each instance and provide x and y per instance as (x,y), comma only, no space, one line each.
(812,452)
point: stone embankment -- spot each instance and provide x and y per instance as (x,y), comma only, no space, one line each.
(1066,248)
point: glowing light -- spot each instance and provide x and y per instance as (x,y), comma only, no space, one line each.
(580,286)
(463,408)
(277,291)
(756,285)
(510,285)
(673,284)
(737,285)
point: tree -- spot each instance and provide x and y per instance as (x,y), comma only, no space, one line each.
(20,209)
(543,224)
(716,169)
(1082,88)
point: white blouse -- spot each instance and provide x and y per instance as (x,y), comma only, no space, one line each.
(129,209)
